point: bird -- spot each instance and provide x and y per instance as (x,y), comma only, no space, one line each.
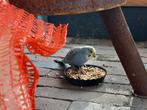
(77,57)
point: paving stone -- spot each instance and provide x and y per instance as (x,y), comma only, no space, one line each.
(94,106)
(80,95)
(108,79)
(51,104)
(105,87)
(98,42)
(145,66)
(48,63)
(55,93)
(140,103)
(43,71)
(112,68)
(103,53)
(116,79)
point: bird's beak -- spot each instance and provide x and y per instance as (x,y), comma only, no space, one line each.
(94,55)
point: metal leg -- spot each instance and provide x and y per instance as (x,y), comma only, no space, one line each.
(126,49)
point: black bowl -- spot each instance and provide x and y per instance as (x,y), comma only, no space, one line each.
(92,82)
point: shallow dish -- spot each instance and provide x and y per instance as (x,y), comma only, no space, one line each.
(89,75)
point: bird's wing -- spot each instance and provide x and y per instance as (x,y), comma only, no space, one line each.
(78,60)
(71,54)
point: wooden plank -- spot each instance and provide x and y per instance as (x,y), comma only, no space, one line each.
(137,3)
(73,95)
(51,104)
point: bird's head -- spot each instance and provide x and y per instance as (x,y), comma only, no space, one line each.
(90,51)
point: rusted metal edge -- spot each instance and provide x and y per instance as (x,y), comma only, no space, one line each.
(62,7)
(136,3)
(126,49)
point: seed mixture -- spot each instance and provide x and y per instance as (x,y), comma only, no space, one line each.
(85,73)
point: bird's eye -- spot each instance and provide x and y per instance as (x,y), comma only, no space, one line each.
(91,51)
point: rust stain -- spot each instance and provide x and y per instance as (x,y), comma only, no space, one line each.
(61,7)
(137,3)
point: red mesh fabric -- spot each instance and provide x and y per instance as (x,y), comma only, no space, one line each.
(18,75)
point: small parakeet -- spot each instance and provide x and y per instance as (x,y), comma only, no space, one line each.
(77,57)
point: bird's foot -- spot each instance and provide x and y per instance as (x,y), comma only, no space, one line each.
(76,68)
(84,65)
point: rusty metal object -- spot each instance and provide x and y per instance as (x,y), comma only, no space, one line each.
(115,22)
(126,49)
(61,7)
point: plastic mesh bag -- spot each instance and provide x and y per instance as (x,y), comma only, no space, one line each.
(18,75)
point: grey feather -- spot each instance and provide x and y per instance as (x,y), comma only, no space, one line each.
(77,57)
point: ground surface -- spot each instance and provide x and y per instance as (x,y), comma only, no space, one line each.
(55,93)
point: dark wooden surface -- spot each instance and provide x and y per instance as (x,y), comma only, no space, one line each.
(55,93)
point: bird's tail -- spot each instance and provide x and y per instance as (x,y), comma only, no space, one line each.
(60,62)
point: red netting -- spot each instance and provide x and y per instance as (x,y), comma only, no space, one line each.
(18,75)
